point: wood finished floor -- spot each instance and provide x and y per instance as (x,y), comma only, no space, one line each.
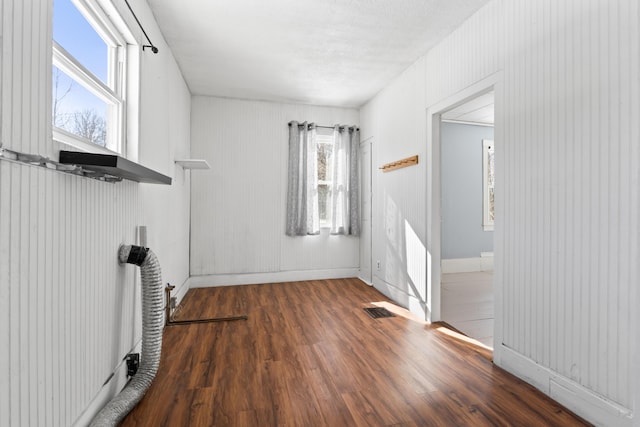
(309,355)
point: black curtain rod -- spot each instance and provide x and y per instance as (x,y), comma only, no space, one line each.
(153,48)
(324,127)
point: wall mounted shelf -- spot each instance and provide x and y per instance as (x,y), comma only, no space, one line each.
(113,165)
(193,164)
(399,164)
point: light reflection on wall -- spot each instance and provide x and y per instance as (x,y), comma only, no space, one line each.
(416,255)
(404,271)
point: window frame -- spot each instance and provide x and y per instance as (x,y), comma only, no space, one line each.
(113,30)
(488,223)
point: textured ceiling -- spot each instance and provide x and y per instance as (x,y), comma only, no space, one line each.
(323,52)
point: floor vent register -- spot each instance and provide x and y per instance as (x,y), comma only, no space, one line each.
(379,312)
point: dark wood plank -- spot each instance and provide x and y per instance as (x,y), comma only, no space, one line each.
(309,355)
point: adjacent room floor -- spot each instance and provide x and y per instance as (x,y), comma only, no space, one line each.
(467,304)
(310,355)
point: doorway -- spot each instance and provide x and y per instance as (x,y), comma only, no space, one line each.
(439,290)
(366,176)
(467,217)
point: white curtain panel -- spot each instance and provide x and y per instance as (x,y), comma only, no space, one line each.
(302,189)
(345,213)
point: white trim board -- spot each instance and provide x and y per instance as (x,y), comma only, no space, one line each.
(467,265)
(575,397)
(364,280)
(111,388)
(182,290)
(212,280)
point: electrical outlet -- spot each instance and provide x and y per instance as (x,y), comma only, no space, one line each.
(173,302)
(378,265)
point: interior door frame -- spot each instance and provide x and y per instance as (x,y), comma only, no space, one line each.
(368,143)
(434,192)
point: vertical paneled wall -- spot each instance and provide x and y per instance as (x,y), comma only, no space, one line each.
(567,227)
(238,207)
(70,305)
(165,126)
(26,79)
(569,193)
(69,312)
(396,121)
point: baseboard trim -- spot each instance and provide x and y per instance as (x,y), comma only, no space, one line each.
(182,291)
(404,299)
(370,283)
(467,265)
(213,280)
(577,398)
(111,388)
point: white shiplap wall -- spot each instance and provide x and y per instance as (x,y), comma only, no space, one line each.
(396,121)
(70,306)
(238,208)
(69,312)
(567,231)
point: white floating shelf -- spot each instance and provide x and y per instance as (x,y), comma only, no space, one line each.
(193,164)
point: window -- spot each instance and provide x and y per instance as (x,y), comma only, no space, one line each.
(322,183)
(324,140)
(89,75)
(488,184)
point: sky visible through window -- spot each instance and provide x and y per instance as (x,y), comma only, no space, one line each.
(72,31)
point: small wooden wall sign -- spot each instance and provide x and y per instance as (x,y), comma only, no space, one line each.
(409,161)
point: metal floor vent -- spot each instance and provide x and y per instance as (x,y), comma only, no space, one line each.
(379,312)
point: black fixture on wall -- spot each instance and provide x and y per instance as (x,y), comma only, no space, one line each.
(150,45)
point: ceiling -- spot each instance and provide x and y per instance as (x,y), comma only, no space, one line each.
(321,52)
(478,110)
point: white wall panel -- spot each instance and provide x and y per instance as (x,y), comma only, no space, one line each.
(238,208)
(69,312)
(165,133)
(396,120)
(68,300)
(567,229)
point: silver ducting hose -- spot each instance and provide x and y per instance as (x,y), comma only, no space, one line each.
(152,325)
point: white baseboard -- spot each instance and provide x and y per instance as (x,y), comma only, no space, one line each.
(468,265)
(370,283)
(182,291)
(273,277)
(577,398)
(111,388)
(404,299)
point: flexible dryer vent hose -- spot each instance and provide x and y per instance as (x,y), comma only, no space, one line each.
(152,324)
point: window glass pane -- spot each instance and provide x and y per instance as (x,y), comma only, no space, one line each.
(491,180)
(72,31)
(324,165)
(323,202)
(491,205)
(77,110)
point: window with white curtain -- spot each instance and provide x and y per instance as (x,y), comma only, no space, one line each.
(323,186)
(89,75)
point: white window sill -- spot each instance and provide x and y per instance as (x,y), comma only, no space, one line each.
(487,227)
